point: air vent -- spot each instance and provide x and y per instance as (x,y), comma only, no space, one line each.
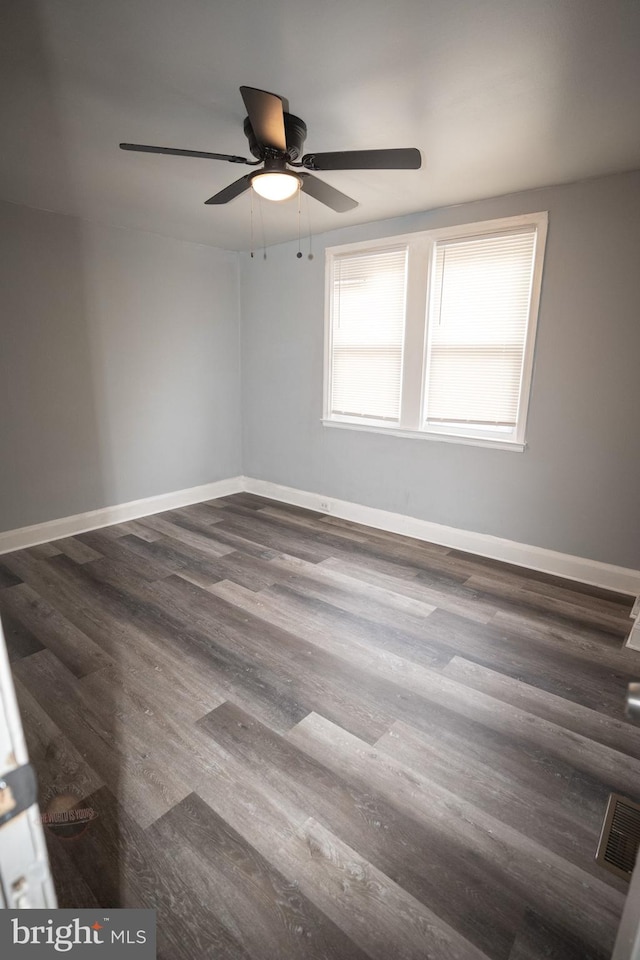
(620,837)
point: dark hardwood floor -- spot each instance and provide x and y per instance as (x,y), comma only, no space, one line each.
(303,738)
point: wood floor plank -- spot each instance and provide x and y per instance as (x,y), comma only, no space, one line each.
(398,561)
(167,612)
(304,737)
(310,522)
(219,536)
(374,535)
(353,643)
(76,550)
(123,868)
(253,573)
(577,612)
(20,564)
(134,527)
(162,737)
(523,803)
(246,892)
(71,646)
(338,880)
(595,680)
(115,573)
(373,910)
(353,596)
(610,766)
(251,501)
(164,694)
(617,734)
(464,603)
(116,753)
(429,867)
(131,551)
(179,557)
(597,646)
(137,635)
(43,551)
(7,577)
(615,604)
(60,767)
(430,564)
(202,512)
(72,891)
(275,537)
(538,938)
(295,674)
(400,557)
(525,575)
(463,744)
(504,580)
(20,640)
(557,889)
(200,538)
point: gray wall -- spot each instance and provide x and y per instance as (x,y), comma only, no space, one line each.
(119,366)
(120,378)
(576,488)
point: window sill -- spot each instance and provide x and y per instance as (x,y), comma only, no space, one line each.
(511,445)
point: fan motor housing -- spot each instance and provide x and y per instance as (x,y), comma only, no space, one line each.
(295,131)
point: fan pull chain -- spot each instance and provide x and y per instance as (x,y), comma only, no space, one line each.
(310,255)
(251,217)
(264,240)
(299,253)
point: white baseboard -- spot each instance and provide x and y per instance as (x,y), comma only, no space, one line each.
(633,640)
(119,513)
(620,579)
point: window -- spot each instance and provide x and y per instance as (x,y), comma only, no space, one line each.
(368,333)
(432,334)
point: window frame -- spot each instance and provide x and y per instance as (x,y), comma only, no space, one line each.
(420,266)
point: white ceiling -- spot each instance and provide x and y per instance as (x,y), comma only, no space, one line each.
(499,95)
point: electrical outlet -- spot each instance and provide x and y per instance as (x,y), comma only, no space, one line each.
(325,505)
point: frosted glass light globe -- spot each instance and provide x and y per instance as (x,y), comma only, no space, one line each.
(276,186)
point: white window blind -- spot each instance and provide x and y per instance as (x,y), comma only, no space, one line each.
(368,298)
(431,334)
(479,312)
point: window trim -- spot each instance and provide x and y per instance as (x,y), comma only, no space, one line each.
(420,259)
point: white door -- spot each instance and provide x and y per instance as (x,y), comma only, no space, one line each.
(628,940)
(25,879)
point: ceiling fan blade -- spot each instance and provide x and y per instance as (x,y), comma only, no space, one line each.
(397,159)
(326,194)
(232,191)
(175,152)
(266,115)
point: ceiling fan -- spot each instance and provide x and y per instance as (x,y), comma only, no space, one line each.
(276,138)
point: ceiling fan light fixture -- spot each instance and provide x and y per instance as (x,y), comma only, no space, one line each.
(276,186)
(276,139)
